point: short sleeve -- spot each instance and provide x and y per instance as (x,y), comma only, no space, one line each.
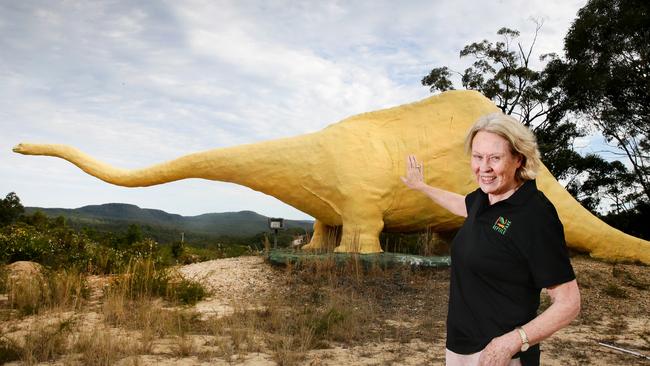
(471,200)
(546,250)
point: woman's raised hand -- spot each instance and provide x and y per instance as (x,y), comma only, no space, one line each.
(414,173)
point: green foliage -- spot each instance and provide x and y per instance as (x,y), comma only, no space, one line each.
(133,235)
(501,72)
(591,179)
(284,239)
(10,209)
(144,268)
(51,246)
(178,249)
(438,79)
(189,292)
(633,221)
(49,242)
(166,228)
(606,79)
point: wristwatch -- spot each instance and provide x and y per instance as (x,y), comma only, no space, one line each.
(524,339)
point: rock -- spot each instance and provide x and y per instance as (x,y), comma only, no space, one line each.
(24,270)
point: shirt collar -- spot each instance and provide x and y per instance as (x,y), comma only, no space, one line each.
(522,194)
(519,197)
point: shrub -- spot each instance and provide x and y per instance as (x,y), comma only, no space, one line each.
(56,248)
(188,292)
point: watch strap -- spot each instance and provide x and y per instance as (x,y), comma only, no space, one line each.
(524,339)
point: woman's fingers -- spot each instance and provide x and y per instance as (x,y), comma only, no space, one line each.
(412,162)
(414,170)
(414,173)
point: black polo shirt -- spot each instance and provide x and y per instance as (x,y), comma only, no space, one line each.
(502,257)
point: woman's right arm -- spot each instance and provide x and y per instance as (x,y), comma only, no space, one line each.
(453,202)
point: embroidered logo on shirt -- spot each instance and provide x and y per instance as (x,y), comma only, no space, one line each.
(501,225)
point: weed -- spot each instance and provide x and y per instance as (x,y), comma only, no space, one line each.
(432,244)
(183,346)
(142,279)
(42,342)
(629,278)
(615,291)
(68,289)
(4,279)
(28,295)
(149,317)
(9,351)
(103,347)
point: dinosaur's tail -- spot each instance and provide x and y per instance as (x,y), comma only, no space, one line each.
(586,232)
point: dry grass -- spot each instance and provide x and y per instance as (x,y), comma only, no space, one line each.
(39,342)
(375,313)
(65,290)
(132,302)
(102,346)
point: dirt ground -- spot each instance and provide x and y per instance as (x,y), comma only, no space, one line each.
(407,309)
(615,310)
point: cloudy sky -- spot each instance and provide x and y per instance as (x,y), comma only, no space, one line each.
(138,82)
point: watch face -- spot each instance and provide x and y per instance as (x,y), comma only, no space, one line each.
(524,347)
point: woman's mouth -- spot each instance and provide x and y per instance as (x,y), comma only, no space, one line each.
(487,180)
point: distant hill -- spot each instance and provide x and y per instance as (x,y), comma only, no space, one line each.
(165,226)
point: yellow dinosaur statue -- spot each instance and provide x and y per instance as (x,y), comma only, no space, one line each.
(348,176)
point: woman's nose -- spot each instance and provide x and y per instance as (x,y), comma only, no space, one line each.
(485,167)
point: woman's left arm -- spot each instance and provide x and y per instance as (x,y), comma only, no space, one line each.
(565,307)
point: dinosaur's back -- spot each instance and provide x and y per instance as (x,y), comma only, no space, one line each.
(372,159)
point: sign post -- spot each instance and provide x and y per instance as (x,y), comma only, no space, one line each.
(275,224)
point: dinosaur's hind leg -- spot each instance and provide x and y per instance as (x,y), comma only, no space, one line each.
(361,234)
(325,237)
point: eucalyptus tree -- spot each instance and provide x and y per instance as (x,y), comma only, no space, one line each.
(502,71)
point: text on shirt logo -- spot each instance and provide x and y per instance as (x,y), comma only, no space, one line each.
(501,225)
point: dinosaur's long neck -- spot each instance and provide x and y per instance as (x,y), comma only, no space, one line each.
(251,165)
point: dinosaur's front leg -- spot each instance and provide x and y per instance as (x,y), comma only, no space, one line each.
(361,234)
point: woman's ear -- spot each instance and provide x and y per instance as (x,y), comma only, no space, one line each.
(521,160)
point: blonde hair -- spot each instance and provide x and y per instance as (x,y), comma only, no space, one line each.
(522,141)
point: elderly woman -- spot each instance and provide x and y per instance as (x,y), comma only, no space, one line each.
(509,248)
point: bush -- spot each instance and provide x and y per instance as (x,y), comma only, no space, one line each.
(58,247)
(188,292)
